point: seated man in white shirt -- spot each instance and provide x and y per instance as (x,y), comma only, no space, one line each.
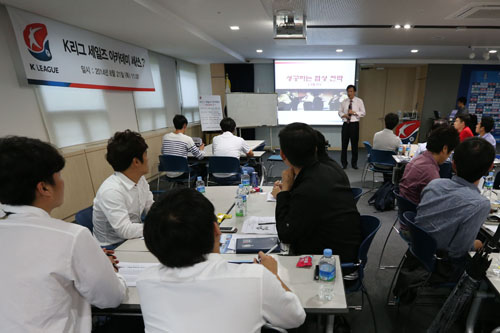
(386,139)
(484,129)
(52,270)
(228,144)
(124,196)
(177,143)
(179,295)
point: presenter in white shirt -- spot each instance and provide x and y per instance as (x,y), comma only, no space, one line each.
(52,270)
(228,144)
(352,109)
(124,196)
(195,289)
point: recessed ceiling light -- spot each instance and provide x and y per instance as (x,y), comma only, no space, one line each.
(397,26)
(234,27)
(339,50)
(407,26)
(259,51)
(414,51)
(493,51)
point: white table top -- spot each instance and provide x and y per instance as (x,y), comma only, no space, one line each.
(491,275)
(251,143)
(222,197)
(299,280)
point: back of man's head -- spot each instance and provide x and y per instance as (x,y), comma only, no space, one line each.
(227,125)
(123,147)
(179,228)
(473,158)
(439,123)
(298,144)
(488,123)
(180,121)
(442,136)
(462,100)
(391,120)
(25,162)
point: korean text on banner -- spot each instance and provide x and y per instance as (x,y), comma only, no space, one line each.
(58,54)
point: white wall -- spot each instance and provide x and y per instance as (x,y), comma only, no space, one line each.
(19,110)
(19,113)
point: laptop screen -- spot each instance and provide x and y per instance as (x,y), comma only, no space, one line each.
(453,113)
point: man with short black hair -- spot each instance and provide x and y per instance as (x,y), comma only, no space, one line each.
(52,270)
(351,111)
(315,207)
(484,128)
(177,143)
(461,126)
(461,106)
(124,196)
(453,210)
(228,144)
(181,230)
(425,167)
(386,139)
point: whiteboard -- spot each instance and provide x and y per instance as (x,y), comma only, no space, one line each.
(252,110)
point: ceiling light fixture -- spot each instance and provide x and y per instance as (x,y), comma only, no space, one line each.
(414,51)
(492,51)
(234,27)
(397,26)
(259,51)
(339,50)
(407,26)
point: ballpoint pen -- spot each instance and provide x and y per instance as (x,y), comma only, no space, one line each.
(270,250)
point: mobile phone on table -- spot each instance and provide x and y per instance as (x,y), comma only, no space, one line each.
(228,230)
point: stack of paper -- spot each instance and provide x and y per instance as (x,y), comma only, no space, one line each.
(262,225)
(131,270)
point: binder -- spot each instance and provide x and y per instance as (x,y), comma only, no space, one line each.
(254,245)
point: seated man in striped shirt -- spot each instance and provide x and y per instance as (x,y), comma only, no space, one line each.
(179,144)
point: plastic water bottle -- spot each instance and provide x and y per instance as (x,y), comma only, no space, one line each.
(488,184)
(408,148)
(255,179)
(401,150)
(200,185)
(245,181)
(326,275)
(241,201)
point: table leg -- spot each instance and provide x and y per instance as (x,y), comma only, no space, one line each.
(330,320)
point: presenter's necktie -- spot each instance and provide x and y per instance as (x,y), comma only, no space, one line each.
(350,108)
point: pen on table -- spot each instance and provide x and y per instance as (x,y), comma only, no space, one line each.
(266,223)
(224,217)
(270,250)
(316,272)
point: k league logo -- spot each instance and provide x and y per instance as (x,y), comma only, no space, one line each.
(35,38)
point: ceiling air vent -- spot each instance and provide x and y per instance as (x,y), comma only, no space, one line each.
(478,10)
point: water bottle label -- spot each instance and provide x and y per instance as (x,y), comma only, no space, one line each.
(246,182)
(244,198)
(326,272)
(200,189)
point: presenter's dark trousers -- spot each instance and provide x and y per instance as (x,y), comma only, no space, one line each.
(350,131)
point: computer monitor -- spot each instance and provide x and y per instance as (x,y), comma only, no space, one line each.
(436,114)
(452,115)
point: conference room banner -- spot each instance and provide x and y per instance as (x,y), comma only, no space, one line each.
(57,54)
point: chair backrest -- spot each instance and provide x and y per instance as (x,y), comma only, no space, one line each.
(404,205)
(423,246)
(368,148)
(445,170)
(84,218)
(173,163)
(382,157)
(223,164)
(369,227)
(356,192)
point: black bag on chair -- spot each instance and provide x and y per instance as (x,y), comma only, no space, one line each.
(384,198)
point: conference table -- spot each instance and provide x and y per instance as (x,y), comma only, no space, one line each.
(299,280)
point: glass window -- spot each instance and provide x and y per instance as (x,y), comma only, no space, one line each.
(73,115)
(188,83)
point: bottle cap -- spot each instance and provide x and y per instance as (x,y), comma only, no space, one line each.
(327,252)
(199,177)
(240,186)
(245,172)
(491,173)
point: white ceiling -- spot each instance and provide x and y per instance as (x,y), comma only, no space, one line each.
(198,30)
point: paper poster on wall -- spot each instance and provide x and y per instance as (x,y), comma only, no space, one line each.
(58,54)
(210,112)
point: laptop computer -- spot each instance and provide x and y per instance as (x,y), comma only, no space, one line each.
(452,115)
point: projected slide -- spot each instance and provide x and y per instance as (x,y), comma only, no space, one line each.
(310,91)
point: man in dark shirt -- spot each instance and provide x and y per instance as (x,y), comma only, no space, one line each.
(315,208)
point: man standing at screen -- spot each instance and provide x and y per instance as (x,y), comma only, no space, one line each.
(351,110)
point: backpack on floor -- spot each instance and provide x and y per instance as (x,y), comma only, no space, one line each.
(384,198)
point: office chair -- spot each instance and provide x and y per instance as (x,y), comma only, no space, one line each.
(224,164)
(369,227)
(404,205)
(84,218)
(276,158)
(378,160)
(368,148)
(171,163)
(357,193)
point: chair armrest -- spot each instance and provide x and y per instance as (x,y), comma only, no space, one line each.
(349,265)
